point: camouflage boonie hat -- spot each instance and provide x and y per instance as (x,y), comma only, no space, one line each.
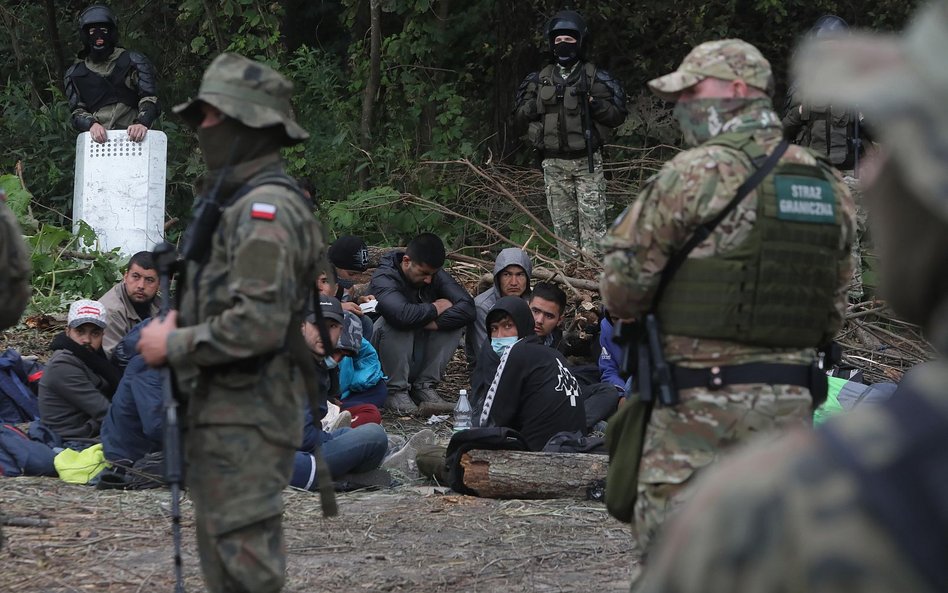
(900,85)
(727,59)
(251,92)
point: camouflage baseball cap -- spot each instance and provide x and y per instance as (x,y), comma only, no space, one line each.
(900,85)
(251,92)
(727,59)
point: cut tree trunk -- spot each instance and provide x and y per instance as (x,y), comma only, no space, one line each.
(523,474)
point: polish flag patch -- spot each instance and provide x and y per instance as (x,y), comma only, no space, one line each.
(262,211)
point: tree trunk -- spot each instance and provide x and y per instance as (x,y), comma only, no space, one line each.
(54,41)
(522,474)
(372,85)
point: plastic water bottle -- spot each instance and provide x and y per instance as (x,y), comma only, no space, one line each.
(462,412)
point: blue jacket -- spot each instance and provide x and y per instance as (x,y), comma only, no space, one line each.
(361,372)
(610,354)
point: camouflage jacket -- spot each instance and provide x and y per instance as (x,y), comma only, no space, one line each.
(787,516)
(230,351)
(688,191)
(14,268)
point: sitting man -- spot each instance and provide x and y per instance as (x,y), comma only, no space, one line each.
(349,257)
(346,450)
(512,270)
(548,305)
(423,311)
(362,388)
(521,384)
(78,381)
(133,426)
(131,301)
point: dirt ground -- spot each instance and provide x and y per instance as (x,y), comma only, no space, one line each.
(409,538)
(414,537)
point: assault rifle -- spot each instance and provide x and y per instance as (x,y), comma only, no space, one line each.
(652,373)
(587,120)
(166,261)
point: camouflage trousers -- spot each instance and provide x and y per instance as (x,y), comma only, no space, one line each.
(236,478)
(576,199)
(856,292)
(682,440)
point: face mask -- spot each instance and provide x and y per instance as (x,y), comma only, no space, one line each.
(345,284)
(100,52)
(566,53)
(231,142)
(703,119)
(330,362)
(501,344)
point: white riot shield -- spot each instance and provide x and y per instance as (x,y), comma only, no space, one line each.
(120,189)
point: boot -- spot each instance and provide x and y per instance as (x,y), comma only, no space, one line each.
(404,460)
(400,403)
(426,393)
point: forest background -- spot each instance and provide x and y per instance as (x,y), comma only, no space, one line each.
(407,102)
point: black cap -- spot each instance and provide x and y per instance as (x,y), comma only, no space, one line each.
(331,309)
(349,252)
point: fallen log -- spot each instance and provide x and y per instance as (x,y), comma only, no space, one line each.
(523,474)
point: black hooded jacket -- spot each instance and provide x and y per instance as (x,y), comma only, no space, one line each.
(537,395)
(406,307)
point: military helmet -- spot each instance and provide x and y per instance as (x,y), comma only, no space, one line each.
(95,15)
(98,14)
(829,25)
(567,22)
(251,92)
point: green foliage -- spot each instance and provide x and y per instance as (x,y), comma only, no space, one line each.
(66,268)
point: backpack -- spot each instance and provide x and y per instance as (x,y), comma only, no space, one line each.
(18,403)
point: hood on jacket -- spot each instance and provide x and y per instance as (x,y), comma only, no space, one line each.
(519,310)
(351,337)
(512,256)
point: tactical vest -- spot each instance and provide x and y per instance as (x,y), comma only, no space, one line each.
(560,106)
(97,91)
(828,131)
(778,288)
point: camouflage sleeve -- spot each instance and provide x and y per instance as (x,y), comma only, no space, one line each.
(688,191)
(268,241)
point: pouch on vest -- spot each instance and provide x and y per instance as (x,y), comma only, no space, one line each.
(494,438)
(625,439)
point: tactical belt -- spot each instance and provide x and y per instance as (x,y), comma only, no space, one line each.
(713,378)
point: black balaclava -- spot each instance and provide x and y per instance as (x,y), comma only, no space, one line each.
(231,142)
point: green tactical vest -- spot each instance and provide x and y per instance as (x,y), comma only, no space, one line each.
(778,288)
(560,129)
(828,131)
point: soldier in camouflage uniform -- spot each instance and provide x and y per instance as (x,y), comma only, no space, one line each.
(836,132)
(860,505)
(550,103)
(745,311)
(229,343)
(15,275)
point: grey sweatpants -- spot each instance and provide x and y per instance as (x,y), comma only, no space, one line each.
(413,357)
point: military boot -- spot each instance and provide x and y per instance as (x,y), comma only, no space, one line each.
(426,393)
(400,403)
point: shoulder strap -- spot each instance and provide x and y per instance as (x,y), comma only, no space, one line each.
(705,230)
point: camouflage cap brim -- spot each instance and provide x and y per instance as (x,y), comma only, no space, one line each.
(669,86)
(254,116)
(900,86)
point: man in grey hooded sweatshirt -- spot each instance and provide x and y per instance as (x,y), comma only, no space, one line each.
(512,270)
